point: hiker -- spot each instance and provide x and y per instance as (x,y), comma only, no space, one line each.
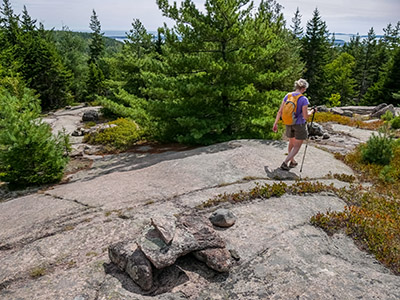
(296,127)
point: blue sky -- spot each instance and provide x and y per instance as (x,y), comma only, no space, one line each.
(354,16)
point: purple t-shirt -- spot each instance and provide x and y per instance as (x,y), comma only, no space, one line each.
(299,111)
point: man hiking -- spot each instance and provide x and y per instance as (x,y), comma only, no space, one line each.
(294,113)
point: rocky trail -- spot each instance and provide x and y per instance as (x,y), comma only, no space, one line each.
(54,242)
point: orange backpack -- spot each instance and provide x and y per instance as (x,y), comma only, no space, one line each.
(289,109)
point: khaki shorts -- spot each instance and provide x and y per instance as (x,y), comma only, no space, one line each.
(297,131)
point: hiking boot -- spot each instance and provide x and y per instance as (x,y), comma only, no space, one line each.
(285,167)
(293,164)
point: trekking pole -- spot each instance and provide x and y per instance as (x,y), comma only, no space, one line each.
(305,150)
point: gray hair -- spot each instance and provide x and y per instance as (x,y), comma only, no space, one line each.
(301,83)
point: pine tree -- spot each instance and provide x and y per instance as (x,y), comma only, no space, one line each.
(385,89)
(74,52)
(296,27)
(368,65)
(43,70)
(29,154)
(9,22)
(222,71)
(96,45)
(316,50)
(95,82)
(27,23)
(340,78)
(125,98)
(29,52)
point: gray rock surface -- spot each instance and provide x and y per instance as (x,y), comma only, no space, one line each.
(63,232)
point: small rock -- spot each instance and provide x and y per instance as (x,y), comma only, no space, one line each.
(347,113)
(234,254)
(218,259)
(119,253)
(140,270)
(322,108)
(325,136)
(222,218)
(315,129)
(77,132)
(166,227)
(337,111)
(90,115)
(128,257)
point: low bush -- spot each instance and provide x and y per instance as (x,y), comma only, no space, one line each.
(323,117)
(387,116)
(372,217)
(378,150)
(118,138)
(395,123)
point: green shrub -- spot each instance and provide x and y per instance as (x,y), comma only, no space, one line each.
(395,123)
(387,116)
(29,153)
(334,100)
(378,150)
(118,138)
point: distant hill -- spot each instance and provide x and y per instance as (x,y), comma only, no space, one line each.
(340,38)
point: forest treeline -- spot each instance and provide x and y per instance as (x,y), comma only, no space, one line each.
(215,75)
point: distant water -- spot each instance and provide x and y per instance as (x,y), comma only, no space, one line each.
(120,35)
(340,38)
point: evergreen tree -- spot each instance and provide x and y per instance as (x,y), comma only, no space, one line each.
(96,46)
(391,36)
(29,154)
(30,53)
(126,98)
(222,71)
(316,54)
(74,51)
(95,81)
(385,89)
(9,23)
(368,68)
(27,23)
(340,80)
(296,27)
(43,70)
